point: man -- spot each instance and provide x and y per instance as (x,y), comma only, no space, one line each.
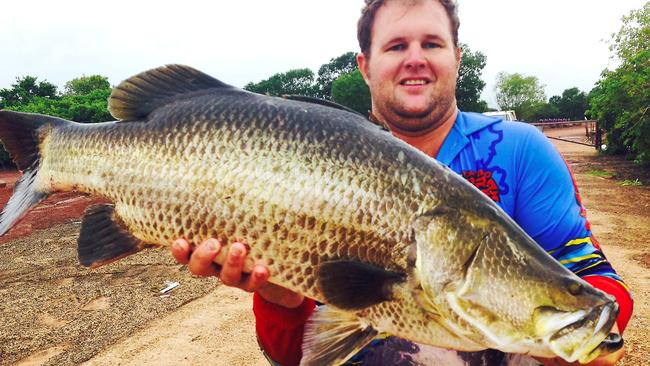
(410,59)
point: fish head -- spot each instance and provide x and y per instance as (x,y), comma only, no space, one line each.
(488,282)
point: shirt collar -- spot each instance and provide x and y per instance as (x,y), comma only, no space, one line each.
(458,137)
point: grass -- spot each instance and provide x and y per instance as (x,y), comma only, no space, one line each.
(600,173)
(623,183)
(630,183)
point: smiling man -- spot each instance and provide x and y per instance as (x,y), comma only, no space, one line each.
(410,60)
(411,67)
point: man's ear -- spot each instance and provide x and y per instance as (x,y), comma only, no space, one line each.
(362,62)
(458,58)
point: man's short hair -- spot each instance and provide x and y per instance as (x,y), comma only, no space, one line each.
(364,26)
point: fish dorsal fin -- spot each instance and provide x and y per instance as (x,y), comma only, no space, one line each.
(332,336)
(352,285)
(135,97)
(103,238)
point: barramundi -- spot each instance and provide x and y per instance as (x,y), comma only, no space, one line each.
(336,207)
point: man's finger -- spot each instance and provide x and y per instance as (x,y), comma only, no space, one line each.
(231,272)
(201,262)
(258,277)
(181,251)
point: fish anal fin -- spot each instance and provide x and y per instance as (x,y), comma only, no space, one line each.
(332,336)
(103,238)
(353,285)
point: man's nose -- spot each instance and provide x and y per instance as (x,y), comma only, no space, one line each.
(415,58)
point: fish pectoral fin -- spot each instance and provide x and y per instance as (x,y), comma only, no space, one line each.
(103,238)
(332,336)
(353,285)
(423,298)
(423,221)
(139,95)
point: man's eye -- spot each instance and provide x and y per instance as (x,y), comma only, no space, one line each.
(431,45)
(397,47)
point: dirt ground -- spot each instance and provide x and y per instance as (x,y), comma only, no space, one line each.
(55,312)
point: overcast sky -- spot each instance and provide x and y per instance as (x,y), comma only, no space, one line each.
(562,42)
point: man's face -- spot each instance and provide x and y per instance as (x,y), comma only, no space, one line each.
(412,66)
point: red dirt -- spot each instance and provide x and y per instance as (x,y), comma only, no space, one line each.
(56,209)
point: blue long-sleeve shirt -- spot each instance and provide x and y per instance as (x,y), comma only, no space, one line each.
(517,166)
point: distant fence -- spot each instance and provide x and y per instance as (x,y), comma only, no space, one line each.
(593,135)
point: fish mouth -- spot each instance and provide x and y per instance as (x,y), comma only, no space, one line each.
(611,344)
(582,336)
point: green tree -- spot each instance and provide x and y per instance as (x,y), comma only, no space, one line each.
(520,93)
(292,82)
(25,89)
(470,85)
(543,111)
(572,104)
(85,100)
(351,91)
(86,85)
(621,99)
(344,64)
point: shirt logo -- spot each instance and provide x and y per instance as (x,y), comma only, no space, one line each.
(483,180)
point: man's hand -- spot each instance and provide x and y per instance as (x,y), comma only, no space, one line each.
(200,261)
(607,360)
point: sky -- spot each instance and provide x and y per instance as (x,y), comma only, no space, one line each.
(561,42)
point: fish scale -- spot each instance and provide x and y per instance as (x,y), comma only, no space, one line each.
(337,208)
(148,158)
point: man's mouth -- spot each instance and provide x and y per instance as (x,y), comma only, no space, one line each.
(415,82)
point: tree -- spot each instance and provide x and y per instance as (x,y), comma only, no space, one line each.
(519,93)
(26,89)
(85,100)
(621,99)
(86,84)
(344,64)
(351,91)
(292,82)
(470,85)
(543,111)
(572,104)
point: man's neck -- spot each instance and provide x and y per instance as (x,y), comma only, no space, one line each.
(429,141)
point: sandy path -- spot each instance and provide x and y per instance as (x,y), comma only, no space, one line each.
(217,329)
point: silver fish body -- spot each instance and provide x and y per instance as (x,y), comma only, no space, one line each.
(337,208)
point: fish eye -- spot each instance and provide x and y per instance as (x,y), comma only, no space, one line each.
(575,288)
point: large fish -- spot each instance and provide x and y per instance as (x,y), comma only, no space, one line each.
(338,209)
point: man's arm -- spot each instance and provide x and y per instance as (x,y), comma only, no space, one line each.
(280,314)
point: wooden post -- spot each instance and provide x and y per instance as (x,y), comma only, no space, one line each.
(598,139)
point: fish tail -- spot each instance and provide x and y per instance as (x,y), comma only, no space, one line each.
(21,134)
